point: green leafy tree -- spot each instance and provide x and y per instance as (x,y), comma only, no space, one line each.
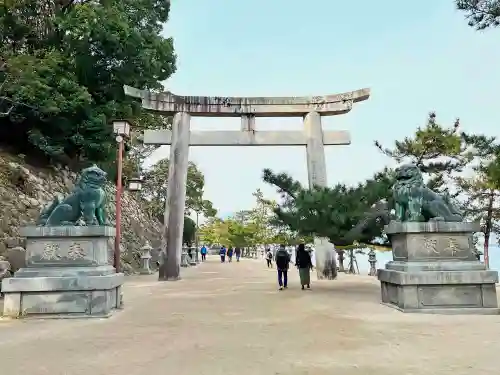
(214,232)
(287,237)
(240,230)
(155,188)
(260,216)
(67,61)
(189,232)
(241,234)
(481,14)
(201,206)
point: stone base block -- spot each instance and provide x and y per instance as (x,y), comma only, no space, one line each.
(62,297)
(440,292)
(434,270)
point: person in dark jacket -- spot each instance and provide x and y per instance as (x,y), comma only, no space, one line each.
(269,258)
(222,253)
(230,254)
(304,264)
(237,252)
(282,260)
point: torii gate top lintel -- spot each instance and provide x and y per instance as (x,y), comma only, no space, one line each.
(206,106)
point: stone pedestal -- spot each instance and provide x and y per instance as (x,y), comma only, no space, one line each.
(434,270)
(4,271)
(192,259)
(67,274)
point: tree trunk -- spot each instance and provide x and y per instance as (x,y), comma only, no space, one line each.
(351,270)
(196,236)
(487,228)
(326,264)
(341,260)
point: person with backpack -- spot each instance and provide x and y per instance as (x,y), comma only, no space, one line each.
(230,254)
(222,254)
(282,260)
(269,258)
(304,264)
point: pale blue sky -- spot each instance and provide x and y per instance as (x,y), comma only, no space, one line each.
(415,57)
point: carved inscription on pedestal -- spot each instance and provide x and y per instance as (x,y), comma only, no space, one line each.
(76,251)
(51,251)
(61,252)
(430,245)
(452,247)
(434,246)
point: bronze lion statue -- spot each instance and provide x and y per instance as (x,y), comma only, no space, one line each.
(413,201)
(85,204)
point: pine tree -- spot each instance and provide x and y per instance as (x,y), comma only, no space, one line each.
(331,213)
(481,192)
(437,151)
(482,205)
(481,14)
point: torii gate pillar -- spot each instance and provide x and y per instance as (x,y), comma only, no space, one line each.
(176,197)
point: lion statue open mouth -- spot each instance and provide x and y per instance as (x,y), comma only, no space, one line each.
(416,202)
(85,204)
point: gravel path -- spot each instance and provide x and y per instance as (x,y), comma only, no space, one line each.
(231,319)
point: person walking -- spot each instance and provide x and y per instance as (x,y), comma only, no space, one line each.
(304,264)
(230,254)
(237,253)
(282,262)
(269,258)
(222,254)
(203,252)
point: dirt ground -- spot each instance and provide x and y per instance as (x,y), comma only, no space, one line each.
(231,319)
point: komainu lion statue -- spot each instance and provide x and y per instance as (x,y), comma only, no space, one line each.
(413,201)
(85,204)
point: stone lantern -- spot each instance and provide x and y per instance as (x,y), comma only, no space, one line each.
(145,259)
(184,258)
(372,259)
(191,256)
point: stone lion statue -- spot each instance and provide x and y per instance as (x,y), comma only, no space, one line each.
(413,201)
(85,204)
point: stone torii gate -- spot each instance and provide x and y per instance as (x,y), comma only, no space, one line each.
(247,108)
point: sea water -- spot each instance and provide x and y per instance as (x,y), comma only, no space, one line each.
(386,256)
